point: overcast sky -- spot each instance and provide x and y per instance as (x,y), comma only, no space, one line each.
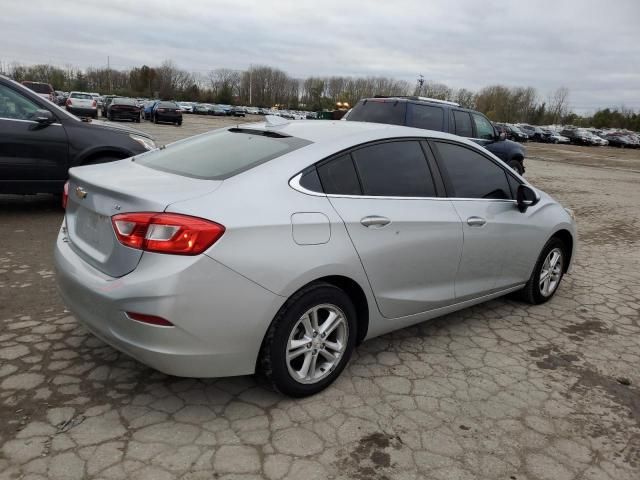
(592,47)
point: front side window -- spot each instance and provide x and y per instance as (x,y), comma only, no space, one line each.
(14,105)
(484,129)
(463,123)
(470,174)
(425,116)
(394,169)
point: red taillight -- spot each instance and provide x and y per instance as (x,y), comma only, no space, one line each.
(166,232)
(149,319)
(94,103)
(65,194)
(68,102)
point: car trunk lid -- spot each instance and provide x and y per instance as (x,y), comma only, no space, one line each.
(98,192)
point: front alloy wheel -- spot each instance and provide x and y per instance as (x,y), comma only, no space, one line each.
(547,273)
(551,273)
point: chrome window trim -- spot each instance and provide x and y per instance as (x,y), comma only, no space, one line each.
(27,121)
(295,184)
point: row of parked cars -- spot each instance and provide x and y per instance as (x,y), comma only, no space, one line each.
(573,135)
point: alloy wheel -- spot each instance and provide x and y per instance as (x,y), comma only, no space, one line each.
(551,272)
(317,343)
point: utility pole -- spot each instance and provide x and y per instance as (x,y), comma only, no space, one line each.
(419,85)
(250,82)
(109,73)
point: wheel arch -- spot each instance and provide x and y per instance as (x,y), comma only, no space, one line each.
(566,238)
(89,156)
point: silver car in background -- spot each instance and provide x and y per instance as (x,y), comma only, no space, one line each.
(277,247)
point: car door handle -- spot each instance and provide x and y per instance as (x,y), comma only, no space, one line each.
(375,221)
(476,221)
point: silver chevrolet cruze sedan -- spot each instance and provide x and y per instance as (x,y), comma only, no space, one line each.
(277,247)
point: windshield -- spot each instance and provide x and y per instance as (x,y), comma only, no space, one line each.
(221,154)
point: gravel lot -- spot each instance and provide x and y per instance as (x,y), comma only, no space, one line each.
(498,391)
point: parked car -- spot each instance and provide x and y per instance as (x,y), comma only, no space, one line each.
(82,104)
(557,138)
(431,114)
(60,97)
(39,142)
(121,108)
(598,141)
(534,133)
(216,110)
(355,240)
(166,112)
(621,141)
(106,100)
(45,90)
(236,112)
(185,107)
(147,108)
(511,132)
(578,136)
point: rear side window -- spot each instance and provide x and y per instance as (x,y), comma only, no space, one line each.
(377,111)
(38,87)
(425,116)
(339,177)
(463,123)
(470,174)
(484,129)
(220,154)
(394,169)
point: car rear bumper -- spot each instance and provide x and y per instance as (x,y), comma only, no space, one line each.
(125,114)
(220,317)
(83,111)
(168,117)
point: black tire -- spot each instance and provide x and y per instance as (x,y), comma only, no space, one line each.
(532,292)
(155,119)
(272,363)
(517,166)
(555,141)
(179,124)
(138,119)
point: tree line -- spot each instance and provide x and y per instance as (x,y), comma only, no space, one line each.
(265,86)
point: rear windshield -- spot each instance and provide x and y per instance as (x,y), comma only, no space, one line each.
(83,96)
(377,111)
(124,101)
(38,87)
(221,154)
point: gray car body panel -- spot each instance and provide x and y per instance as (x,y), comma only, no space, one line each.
(266,255)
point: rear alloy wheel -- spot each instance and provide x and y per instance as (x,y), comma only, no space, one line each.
(310,341)
(547,274)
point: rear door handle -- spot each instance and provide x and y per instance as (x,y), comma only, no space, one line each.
(375,221)
(476,221)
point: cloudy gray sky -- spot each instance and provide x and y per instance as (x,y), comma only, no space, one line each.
(592,47)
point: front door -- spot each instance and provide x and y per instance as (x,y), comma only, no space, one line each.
(29,152)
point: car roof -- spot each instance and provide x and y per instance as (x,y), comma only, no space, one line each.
(319,131)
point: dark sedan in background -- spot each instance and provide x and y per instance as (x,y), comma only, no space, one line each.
(123,109)
(40,141)
(166,112)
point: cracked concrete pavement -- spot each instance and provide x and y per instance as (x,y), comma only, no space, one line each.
(498,391)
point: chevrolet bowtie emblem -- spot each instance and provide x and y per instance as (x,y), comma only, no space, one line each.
(81,192)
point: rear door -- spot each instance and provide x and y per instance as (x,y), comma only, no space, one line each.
(408,238)
(29,152)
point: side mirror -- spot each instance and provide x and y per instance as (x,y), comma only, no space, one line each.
(43,117)
(526,197)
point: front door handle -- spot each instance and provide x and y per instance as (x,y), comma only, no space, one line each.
(375,221)
(476,221)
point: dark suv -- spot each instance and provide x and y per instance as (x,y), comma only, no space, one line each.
(39,141)
(443,116)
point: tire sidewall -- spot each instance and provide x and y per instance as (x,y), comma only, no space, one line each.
(280,375)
